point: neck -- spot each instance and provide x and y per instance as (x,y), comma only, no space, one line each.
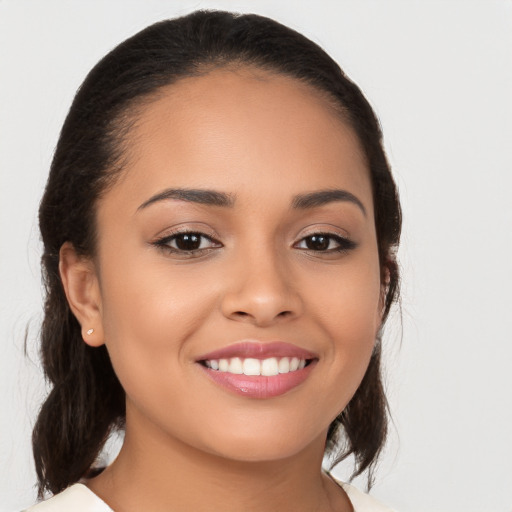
(157,472)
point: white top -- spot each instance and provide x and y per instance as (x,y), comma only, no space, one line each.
(79,498)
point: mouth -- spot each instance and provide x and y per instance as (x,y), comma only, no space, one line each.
(268,367)
(259,370)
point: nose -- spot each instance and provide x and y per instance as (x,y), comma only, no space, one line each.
(261,290)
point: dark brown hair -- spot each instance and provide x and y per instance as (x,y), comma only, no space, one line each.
(86,401)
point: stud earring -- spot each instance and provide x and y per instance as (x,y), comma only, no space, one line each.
(90,331)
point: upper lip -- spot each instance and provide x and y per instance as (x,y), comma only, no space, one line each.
(258,350)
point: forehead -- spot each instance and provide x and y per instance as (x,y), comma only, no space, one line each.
(244,129)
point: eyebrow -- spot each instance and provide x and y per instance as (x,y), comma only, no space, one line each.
(192,195)
(215,198)
(321,197)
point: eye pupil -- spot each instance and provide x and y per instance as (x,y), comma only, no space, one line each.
(317,242)
(188,241)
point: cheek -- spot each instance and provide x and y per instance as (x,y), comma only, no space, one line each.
(349,303)
(149,314)
(349,312)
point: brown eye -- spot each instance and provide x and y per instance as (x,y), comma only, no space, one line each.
(326,242)
(187,243)
(318,242)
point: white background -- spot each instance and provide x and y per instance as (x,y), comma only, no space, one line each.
(439,74)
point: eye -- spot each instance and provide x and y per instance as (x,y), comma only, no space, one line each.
(187,243)
(325,242)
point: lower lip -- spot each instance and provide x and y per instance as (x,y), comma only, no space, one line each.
(260,386)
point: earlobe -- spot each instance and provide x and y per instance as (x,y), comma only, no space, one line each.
(80,282)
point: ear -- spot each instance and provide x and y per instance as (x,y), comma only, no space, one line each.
(81,285)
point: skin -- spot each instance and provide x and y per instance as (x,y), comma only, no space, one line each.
(191,444)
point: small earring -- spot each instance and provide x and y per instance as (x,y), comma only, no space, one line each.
(90,331)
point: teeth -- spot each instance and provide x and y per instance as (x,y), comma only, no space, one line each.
(269,367)
(250,366)
(294,364)
(235,366)
(284,365)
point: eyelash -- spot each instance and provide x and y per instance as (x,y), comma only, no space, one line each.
(164,243)
(344,244)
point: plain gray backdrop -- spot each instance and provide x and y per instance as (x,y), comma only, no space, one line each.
(439,74)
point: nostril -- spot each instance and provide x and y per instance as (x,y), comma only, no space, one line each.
(261,316)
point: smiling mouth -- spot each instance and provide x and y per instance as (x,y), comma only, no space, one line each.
(249,366)
(259,370)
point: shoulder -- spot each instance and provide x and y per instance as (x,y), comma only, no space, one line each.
(364,502)
(361,501)
(77,498)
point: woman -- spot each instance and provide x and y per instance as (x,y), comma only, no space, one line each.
(220,225)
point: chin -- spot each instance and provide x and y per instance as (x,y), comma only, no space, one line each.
(260,446)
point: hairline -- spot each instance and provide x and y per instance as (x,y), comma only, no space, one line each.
(123,124)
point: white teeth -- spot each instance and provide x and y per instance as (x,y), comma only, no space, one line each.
(294,364)
(235,366)
(250,366)
(284,365)
(269,367)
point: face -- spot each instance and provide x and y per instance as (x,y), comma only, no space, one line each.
(240,236)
